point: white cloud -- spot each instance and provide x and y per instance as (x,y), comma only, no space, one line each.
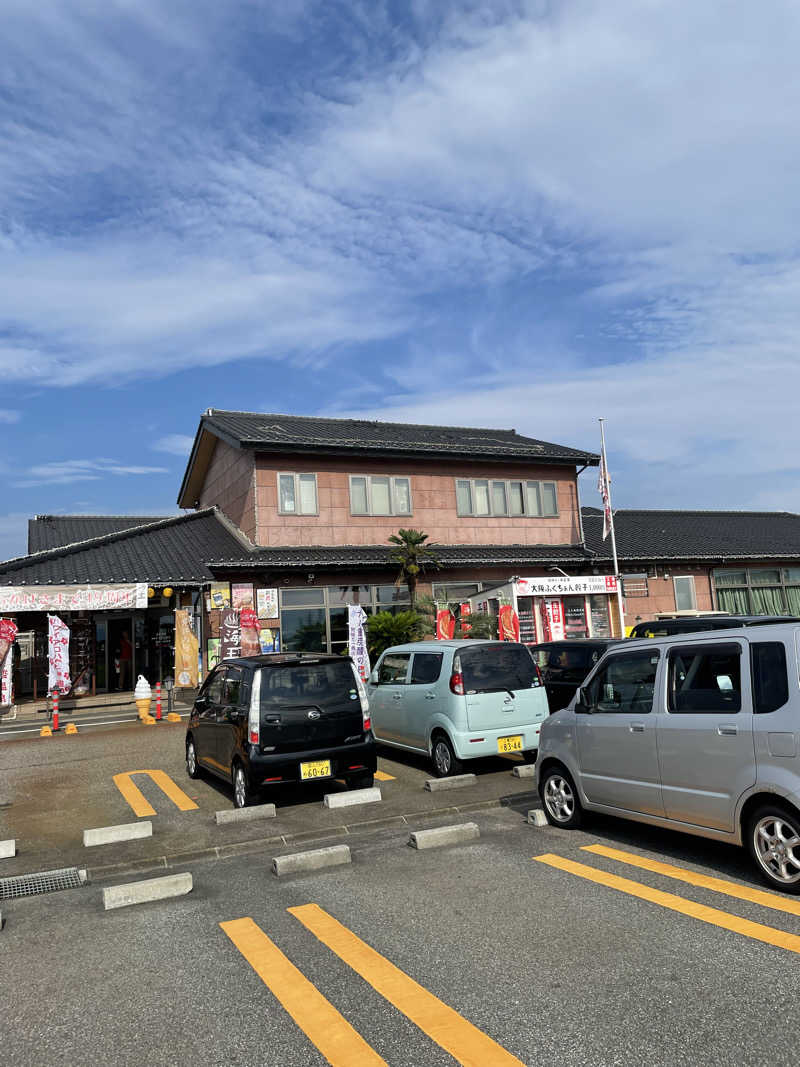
(8,416)
(64,472)
(177,444)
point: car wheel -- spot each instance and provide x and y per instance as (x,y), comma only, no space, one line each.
(242,792)
(773,838)
(361,781)
(445,761)
(560,799)
(192,768)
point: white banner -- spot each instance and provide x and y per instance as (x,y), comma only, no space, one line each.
(590,583)
(555,619)
(357,639)
(58,679)
(72,597)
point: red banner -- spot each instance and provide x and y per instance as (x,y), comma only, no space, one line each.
(508,621)
(445,624)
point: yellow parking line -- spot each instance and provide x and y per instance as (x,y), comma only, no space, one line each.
(757,931)
(134,796)
(466,1043)
(322,1024)
(382,776)
(704,881)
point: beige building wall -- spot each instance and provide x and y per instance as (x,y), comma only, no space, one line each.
(230,486)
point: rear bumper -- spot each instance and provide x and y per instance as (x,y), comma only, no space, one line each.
(359,758)
(480,743)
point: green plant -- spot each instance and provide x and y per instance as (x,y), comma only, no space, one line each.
(481,627)
(385,629)
(413,556)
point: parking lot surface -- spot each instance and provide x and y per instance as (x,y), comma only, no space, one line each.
(618,944)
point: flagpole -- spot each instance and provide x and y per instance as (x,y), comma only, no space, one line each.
(611,529)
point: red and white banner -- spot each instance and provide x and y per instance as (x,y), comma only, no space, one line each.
(8,634)
(604,490)
(58,680)
(466,611)
(508,623)
(555,619)
(357,640)
(445,624)
(72,597)
(248,619)
(567,586)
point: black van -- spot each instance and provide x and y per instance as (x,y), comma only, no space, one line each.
(282,718)
(694,624)
(564,665)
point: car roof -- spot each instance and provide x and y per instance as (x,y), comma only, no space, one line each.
(577,642)
(438,646)
(284,659)
(714,637)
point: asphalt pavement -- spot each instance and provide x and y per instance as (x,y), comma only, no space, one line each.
(619,944)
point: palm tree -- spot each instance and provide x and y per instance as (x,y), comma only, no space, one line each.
(413,557)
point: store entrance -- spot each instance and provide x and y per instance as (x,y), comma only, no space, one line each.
(120,665)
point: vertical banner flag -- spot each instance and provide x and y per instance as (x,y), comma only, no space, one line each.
(466,611)
(8,634)
(186,651)
(230,635)
(605,492)
(555,619)
(58,656)
(357,639)
(508,623)
(445,624)
(248,621)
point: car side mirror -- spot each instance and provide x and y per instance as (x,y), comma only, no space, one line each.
(373,678)
(582,705)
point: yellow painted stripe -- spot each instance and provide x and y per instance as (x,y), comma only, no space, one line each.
(134,796)
(322,1024)
(382,776)
(704,881)
(757,931)
(466,1043)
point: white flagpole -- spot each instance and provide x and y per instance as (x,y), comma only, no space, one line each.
(611,528)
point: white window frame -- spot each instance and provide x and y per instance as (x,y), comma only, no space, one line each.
(296,475)
(393,479)
(684,577)
(508,482)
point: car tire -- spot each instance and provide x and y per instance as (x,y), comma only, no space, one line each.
(560,798)
(445,762)
(192,766)
(242,789)
(361,781)
(770,832)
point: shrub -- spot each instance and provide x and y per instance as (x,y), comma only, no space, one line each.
(386,629)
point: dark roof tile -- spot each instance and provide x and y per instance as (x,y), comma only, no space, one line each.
(53,531)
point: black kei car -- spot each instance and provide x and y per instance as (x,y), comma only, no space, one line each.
(565,664)
(281,718)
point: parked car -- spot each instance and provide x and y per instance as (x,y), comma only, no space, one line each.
(565,664)
(683,624)
(699,733)
(458,700)
(273,719)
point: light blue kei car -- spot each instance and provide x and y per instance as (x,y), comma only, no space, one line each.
(458,700)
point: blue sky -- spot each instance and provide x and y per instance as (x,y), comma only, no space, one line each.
(505,213)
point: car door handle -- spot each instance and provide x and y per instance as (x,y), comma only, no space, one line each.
(272,720)
(430,696)
(636,727)
(727,731)
(397,696)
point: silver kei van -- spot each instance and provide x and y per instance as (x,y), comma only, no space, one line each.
(697,732)
(457,700)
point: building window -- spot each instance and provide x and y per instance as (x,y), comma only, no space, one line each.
(481,497)
(758,591)
(685,599)
(297,494)
(379,495)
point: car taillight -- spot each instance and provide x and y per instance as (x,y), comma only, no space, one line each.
(362,696)
(457,683)
(254,715)
(538,674)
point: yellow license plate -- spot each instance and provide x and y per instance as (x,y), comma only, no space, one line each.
(319,768)
(510,744)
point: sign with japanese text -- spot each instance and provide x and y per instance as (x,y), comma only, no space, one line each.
(587,584)
(248,622)
(357,639)
(186,647)
(58,680)
(220,595)
(72,597)
(8,634)
(230,635)
(267,600)
(555,619)
(242,597)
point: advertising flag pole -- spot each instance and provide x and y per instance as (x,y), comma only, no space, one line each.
(605,489)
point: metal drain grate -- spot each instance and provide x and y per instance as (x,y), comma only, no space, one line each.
(31,885)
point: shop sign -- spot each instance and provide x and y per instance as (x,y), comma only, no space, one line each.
(72,597)
(357,639)
(186,646)
(242,597)
(230,635)
(220,595)
(267,603)
(58,680)
(590,583)
(555,620)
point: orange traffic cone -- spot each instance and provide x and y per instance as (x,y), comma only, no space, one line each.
(55,711)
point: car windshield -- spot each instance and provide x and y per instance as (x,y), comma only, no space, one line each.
(492,668)
(572,658)
(308,683)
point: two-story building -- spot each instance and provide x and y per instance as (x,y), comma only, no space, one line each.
(318,498)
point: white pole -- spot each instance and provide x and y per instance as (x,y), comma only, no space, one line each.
(611,528)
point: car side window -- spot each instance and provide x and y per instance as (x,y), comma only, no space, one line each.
(232,687)
(625,685)
(705,678)
(426,668)
(213,691)
(770,680)
(394,668)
